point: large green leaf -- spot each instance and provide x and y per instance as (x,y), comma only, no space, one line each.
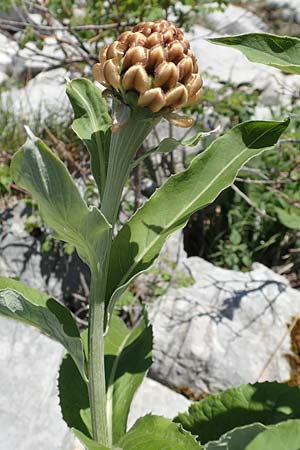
(266,403)
(157,433)
(281,52)
(127,359)
(283,436)
(36,169)
(27,305)
(138,243)
(236,439)
(92,124)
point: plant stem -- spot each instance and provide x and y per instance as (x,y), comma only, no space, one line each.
(97,390)
(123,146)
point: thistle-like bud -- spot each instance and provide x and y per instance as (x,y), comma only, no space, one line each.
(155,61)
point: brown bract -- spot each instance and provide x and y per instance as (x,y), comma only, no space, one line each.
(155,61)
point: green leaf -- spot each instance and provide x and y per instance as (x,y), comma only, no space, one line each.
(289,217)
(281,52)
(74,397)
(283,436)
(266,403)
(92,124)
(167,145)
(236,439)
(27,305)
(127,359)
(139,242)
(89,443)
(154,432)
(36,169)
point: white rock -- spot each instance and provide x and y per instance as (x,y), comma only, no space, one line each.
(42,96)
(235,20)
(228,328)
(30,417)
(153,397)
(226,63)
(8,49)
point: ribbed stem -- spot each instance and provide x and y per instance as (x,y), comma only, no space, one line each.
(97,390)
(124,144)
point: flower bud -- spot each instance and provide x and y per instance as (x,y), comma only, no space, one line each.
(135,55)
(115,50)
(144,27)
(154,39)
(185,67)
(111,73)
(155,61)
(194,84)
(194,98)
(154,99)
(175,52)
(156,56)
(98,74)
(103,54)
(136,39)
(136,78)
(166,74)
(177,97)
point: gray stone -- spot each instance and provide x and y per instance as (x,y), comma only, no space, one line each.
(235,20)
(30,417)
(42,97)
(225,63)
(153,397)
(226,329)
(21,257)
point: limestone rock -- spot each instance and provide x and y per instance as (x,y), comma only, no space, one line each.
(21,257)
(42,96)
(153,397)
(30,417)
(226,329)
(235,20)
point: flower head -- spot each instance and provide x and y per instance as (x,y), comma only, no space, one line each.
(155,61)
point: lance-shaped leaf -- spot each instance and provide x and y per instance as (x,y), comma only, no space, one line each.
(27,305)
(139,242)
(266,403)
(283,436)
(236,439)
(92,124)
(127,359)
(155,432)
(36,169)
(281,52)
(167,145)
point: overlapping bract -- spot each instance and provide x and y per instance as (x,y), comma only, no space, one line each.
(154,60)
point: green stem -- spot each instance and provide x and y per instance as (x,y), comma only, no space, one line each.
(123,146)
(97,391)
